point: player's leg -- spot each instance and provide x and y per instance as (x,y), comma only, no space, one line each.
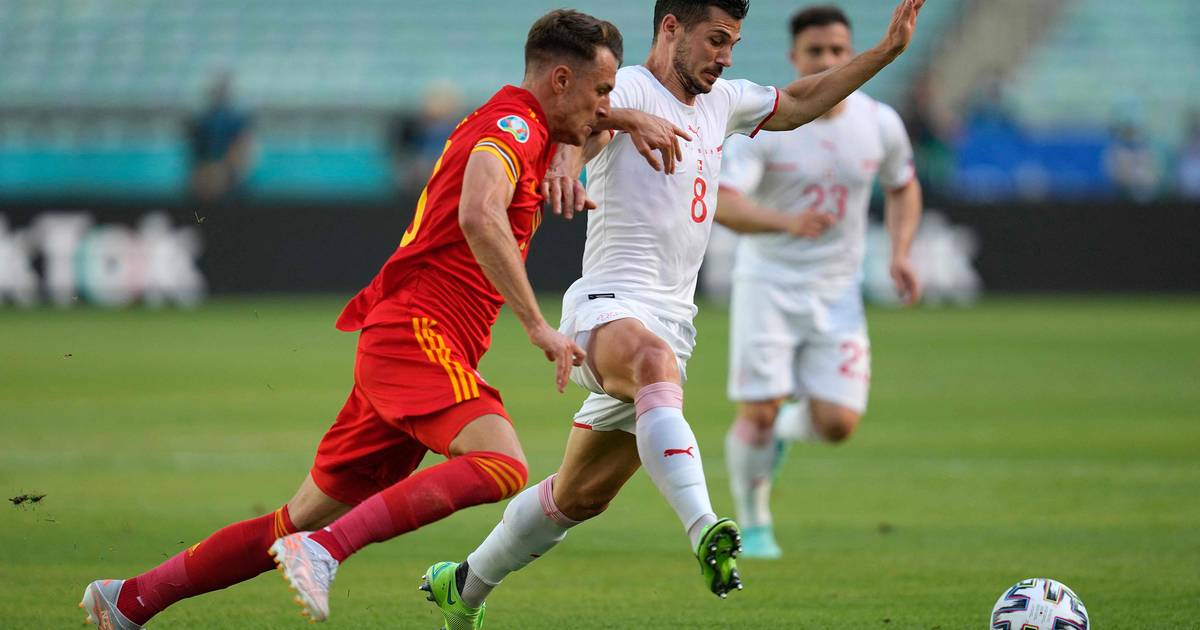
(763,340)
(229,556)
(834,374)
(752,457)
(485,464)
(632,363)
(239,551)
(635,365)
(595,467)
(814,420)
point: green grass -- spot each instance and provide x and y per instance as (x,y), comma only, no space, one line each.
(1023,438)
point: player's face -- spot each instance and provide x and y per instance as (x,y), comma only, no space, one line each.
(819,48)
(585,99)
(705,50)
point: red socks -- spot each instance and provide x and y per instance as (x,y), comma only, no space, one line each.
(231,555)
(430,495)
(239,552)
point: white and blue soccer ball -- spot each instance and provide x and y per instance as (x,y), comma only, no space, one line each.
(1039,604)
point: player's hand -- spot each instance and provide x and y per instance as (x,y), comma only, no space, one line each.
(559,349)
(904,23)
(562,190)
(811,224)
(651,133)
(908,286)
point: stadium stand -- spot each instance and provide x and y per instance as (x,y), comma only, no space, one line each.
(1077,77)
(1080,117)
(93,94)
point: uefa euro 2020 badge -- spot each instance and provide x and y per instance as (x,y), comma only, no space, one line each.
(516,126)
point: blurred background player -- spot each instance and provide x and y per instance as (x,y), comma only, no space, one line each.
(425,322)
(798,330)
(221,144)
(633,308)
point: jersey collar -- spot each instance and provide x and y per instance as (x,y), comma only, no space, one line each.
(526,97)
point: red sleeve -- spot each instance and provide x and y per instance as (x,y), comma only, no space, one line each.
(513,139)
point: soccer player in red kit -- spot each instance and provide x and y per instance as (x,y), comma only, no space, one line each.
(425,322)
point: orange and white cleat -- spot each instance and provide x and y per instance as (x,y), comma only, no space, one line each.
(309,570)
(100,603)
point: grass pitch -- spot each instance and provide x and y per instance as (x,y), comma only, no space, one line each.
(1056,438)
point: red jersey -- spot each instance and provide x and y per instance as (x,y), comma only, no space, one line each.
(433,270)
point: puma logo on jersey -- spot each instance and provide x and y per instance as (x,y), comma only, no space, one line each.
(680,451)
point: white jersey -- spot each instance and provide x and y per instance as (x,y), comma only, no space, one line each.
(647,236)
(828,164)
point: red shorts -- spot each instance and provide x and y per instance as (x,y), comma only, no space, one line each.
(412,393)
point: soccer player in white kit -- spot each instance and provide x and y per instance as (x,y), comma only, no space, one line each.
(632,310)
(797,326)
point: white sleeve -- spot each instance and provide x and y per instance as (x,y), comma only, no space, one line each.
(743,164)
(897,169)
(751,105)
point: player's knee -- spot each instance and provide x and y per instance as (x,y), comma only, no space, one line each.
(585,504)
(509,473)
(761,414)
(654,362)
(836,424)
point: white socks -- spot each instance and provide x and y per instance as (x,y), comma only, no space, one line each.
(531,526)
(670,455)
(750,454)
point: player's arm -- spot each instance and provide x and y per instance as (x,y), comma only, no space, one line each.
(739,213)
(487,192)
(649,133)
(561,185)
(808,98)
(902,214)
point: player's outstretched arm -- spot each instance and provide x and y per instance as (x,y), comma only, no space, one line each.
(483,217)
(808,98)
(902,213)
(739,213)
(561,186)
(649,133)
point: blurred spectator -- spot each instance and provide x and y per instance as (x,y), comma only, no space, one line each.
(988,104)
(1189,161)
(1131,160)
(931,130)
(418,141)
(221,144)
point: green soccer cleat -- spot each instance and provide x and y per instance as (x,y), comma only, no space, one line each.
(719,547)
(439,582)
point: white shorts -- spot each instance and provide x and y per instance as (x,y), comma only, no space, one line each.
(786,342)
(584,313)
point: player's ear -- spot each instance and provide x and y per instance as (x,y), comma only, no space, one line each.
(669,26)
(561,77)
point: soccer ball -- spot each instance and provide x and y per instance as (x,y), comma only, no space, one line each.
(1039,604)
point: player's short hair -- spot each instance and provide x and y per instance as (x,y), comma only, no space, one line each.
(822,15)
(692,12)
(570,36)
